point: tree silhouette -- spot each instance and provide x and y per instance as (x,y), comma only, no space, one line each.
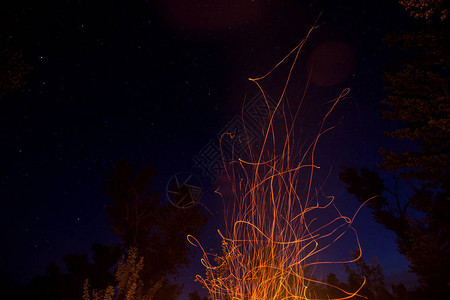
(12,72)
(427,9)
(417,87)
(129,284)
(158,231)
(195,296)
(13,68)
(373,274)
(58,285)
(155,231)
(367,274)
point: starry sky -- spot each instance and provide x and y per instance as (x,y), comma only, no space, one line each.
(153,82)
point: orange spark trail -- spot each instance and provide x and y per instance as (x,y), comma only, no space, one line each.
(276,223)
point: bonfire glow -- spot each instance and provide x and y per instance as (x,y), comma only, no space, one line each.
(275,220)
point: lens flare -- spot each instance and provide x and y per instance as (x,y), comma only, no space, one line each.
(276,222)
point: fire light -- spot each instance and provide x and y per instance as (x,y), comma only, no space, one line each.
(276,225)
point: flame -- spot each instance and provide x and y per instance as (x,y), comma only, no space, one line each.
(275,222)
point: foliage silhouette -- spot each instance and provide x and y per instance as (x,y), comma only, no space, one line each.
(418,101)
(157,231)
(195,296)
(370,273)
(58,285)
(129,284)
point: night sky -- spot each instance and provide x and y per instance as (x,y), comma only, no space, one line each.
(153,82)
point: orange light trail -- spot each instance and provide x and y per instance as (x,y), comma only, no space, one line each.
(275,225)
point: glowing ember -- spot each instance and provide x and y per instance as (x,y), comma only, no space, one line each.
(275,225)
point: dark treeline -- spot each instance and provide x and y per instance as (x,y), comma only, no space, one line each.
(157,231)
(417,88)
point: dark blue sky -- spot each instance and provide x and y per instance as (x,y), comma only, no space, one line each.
(153,82)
